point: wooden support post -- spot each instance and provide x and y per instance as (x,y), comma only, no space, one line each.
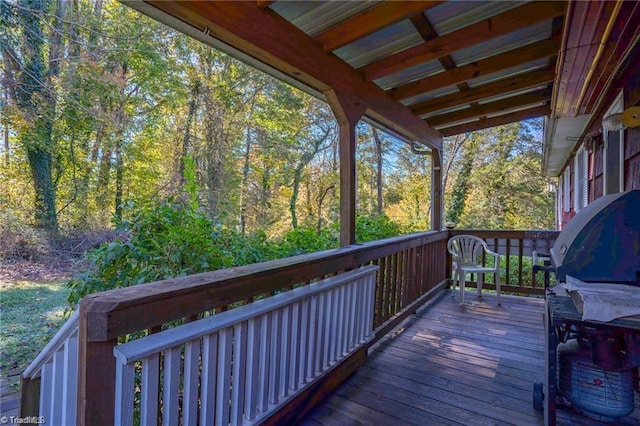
(30,397)
(96,375)
(436,190)
(347,110)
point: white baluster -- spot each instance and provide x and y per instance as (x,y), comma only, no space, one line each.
(223,389)
(191,378)
(124,394)
(253,365)
(171,386)
(208,381)
(239,371)
(149,396)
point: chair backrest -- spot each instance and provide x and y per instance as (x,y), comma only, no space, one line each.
(466,249)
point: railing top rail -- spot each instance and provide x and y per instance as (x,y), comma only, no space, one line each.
(117,312)
(154,343)
(508,233)
(54,345)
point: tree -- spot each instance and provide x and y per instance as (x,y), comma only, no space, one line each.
(35,98)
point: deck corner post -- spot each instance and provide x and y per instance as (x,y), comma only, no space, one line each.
(96,374)
(436,191)
(348,110)
(29,397)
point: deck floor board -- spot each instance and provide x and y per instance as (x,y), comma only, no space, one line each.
(451,365)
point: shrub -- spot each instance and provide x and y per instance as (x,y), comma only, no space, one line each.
(20,241)
(165,240)
(369,228)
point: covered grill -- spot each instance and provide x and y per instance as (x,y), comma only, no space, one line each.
(591,364)
(602,242)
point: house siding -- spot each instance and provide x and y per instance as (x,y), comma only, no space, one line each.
(632,159)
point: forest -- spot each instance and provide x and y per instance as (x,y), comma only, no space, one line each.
(112,122)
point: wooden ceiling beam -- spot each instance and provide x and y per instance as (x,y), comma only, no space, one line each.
(263,4)
(370,21)
(497,121)
(490,108)
(271,40)
(512,58)
(504,23)
(507,85)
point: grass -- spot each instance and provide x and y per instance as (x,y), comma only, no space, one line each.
(30,314)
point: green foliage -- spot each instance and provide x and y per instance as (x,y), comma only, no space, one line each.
(376,227)
(496,184)
(165,240)
(171,239)
(305,240)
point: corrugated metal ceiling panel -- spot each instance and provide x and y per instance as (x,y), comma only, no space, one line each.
(453,15)
(503,44)
(380,44)
(314,17)
(409,75)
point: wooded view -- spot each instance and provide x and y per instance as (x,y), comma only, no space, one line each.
(110,118)
(159,156)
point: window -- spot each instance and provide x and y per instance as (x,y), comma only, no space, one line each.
(581,180)
(613,162)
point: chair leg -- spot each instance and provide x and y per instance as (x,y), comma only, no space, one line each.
(498,288)
(479,284)
(455,281)
(462,282)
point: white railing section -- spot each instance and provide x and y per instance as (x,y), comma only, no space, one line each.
(57,367)
(239,366)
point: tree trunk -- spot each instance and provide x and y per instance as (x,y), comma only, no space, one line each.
(297,176)
(119,179)
(5,130)
(462,183)
(378,144)
(104,173)
(38,104)
(186,141)
(246,167)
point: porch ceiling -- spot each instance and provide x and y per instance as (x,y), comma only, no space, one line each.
(424,69)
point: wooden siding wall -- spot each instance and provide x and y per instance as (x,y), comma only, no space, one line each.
(632,159)
(596,177)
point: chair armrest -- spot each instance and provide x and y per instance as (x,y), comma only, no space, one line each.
(496,258)
(536,255)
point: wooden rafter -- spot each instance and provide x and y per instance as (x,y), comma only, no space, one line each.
(491,107)
(272,40)
(370,21)
(512,58)
(512,84)
(497,121)
(504,23)
(263,4)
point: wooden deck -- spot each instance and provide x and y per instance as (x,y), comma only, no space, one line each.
(451,366)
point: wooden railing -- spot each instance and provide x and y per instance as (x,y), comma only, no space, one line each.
(412,268)
(254,358)
(53,375)
(516,250)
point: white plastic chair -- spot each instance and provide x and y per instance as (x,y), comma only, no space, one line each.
(467,251)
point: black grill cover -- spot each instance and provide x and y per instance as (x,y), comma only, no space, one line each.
(607,247)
